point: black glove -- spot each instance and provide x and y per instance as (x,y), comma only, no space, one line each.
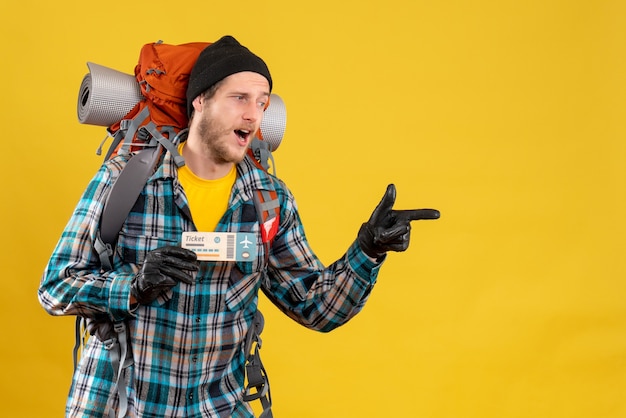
(162,269)
(388,229)
(102,328)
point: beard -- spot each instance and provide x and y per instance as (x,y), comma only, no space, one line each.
(213,137)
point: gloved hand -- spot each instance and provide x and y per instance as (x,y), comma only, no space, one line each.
(102,328)
(162,269)
(388,229)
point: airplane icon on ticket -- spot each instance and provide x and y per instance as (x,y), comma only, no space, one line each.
(246,242)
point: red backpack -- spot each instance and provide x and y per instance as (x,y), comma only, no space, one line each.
(162,74)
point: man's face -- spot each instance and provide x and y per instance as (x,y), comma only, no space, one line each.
(229,120)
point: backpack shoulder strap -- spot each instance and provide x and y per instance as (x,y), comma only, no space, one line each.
(121,199)
(268,213)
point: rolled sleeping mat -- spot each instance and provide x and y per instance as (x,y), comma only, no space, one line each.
(274,122)
(106,95)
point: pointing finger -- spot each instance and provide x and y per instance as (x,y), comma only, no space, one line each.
(416,214)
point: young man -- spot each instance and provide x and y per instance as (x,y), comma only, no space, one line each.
(187,319)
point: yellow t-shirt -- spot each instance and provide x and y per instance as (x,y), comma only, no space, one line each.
(208,199)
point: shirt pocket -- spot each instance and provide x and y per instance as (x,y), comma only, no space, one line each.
(242,289)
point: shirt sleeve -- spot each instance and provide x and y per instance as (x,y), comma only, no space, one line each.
(318,297)
(73,282)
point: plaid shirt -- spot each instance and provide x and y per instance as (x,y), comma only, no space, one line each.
(188,344)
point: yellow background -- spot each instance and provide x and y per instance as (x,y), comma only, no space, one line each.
(508,116)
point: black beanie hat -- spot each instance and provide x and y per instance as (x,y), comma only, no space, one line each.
(219,60)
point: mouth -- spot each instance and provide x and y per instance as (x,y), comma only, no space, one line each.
(243,135)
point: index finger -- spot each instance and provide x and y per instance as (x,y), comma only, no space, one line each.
(417,214)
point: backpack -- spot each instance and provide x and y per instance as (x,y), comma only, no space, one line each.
(146,115)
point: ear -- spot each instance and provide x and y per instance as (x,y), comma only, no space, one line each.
(197,104)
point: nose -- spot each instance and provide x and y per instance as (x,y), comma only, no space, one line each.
(252,112)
